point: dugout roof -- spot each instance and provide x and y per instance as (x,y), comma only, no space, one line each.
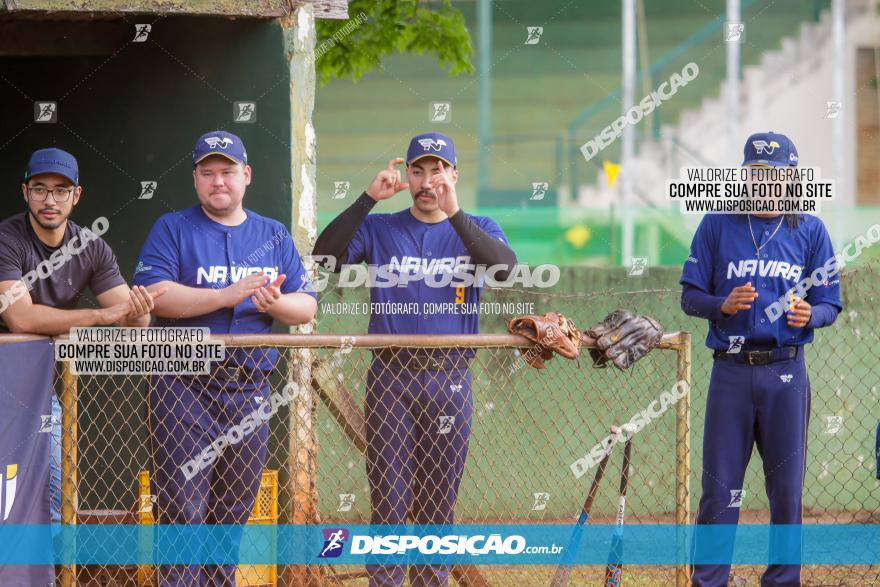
(114,8)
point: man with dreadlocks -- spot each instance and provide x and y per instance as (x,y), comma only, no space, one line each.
(759,392)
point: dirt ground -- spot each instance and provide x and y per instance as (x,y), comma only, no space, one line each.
(664,575)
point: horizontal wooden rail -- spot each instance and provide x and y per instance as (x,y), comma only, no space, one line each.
(671,340)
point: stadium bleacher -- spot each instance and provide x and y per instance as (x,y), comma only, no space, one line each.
(537,92)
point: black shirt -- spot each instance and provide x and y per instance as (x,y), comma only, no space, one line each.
(22,251)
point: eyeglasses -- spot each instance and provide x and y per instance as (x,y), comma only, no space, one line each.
(40,193)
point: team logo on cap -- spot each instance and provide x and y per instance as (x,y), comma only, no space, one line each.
(429,144)
(215,142)
(763,146)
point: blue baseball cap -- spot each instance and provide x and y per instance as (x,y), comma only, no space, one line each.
(53,161)
(431,144)
(220,142)
(770,148)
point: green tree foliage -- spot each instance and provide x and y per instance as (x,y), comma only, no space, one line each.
(352,48)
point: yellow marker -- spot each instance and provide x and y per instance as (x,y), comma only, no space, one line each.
(612,170)
(791,300)
(578,235)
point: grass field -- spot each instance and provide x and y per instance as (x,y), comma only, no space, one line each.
(529,426)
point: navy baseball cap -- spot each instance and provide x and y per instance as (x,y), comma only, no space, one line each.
(220,142)
(431,144)
(770,148)
(53,161)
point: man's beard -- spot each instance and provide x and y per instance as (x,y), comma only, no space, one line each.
(61,218)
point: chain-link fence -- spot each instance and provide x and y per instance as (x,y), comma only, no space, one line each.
(840,484)
(524,428)
(419,432)
(191,449)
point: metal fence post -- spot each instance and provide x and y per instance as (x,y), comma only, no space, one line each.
(68,459)
(683,447)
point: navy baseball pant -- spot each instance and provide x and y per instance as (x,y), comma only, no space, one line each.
(186,415)
(768,406)
(418,426)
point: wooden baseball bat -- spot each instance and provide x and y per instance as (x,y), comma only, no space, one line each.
(614,569)
(563,571)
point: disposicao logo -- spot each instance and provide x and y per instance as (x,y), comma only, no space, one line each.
(334,541)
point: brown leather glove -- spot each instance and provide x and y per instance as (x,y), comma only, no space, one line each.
(551,333)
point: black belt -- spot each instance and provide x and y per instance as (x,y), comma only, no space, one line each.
(423,359)
(232,372)
(759,357)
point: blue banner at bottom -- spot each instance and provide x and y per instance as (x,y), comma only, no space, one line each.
(498,544)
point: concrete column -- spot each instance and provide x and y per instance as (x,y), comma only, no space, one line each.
(299,48)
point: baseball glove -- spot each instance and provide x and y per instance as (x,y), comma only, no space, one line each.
(623,338)
(551,333)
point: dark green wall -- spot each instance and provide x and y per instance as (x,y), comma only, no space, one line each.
(131,115)
(135,113)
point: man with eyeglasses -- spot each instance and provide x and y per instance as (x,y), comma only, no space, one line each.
(47,261)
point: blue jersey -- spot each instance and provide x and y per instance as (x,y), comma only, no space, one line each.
(189,248)
(400,243)
(723,257)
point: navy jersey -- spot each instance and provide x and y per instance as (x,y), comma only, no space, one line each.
(723,257)
(403,244)
(189,248)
